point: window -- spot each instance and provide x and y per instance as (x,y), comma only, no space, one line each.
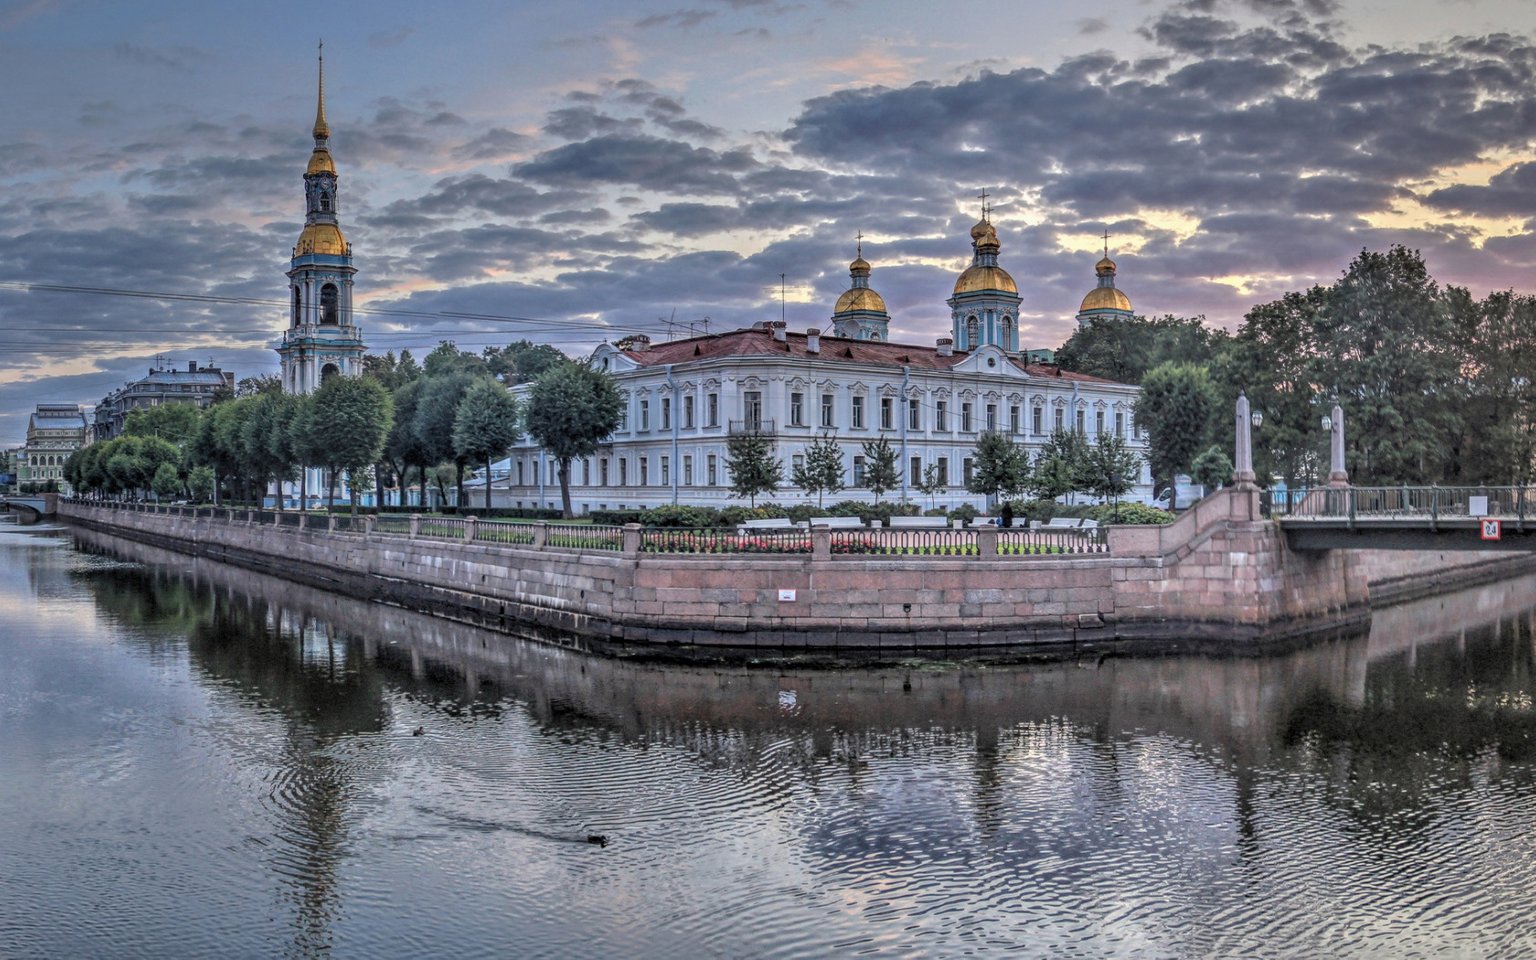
(943,463)
(991,416)
(688,413)
(1119,423)
(623,414)
(328,310)
(827,410)
(645,470)
(796,463)
(586,472)
(965,417)
(1059,425)
(602,472)
(666,413)
(1036,418)
(297,309)
(712,410)
(915,469)
(520,473)
(914,415)
(623,471)
(1013,418)
(797,409)
(858,471)
(972,332)
(712,469)
(1082,415)
(966,467)
(940,415)
(752,409)
(666,471)
(858,413)
(687,469)
(887,413)
(645,416)
(1098,421)
(325,202)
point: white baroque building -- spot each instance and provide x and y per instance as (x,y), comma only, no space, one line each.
(684,398)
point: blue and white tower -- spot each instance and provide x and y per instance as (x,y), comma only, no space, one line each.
(321,339)
(985,306)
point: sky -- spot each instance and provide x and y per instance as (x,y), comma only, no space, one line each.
(581,171)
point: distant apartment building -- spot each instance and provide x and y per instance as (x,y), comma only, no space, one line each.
(194,385)
(54,431)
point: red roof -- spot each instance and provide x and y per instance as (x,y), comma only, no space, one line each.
(757,342)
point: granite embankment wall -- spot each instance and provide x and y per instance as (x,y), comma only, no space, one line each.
(1219,575)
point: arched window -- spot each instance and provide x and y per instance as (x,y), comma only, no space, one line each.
(325,202)
(328,371)
(972,332)
(296,306)
(1009,343)
(328,303)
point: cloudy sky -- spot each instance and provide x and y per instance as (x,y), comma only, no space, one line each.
(593,168)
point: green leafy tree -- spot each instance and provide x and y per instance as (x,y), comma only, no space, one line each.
(1177,406)
(436,407)
(932,482)
(407,453)
(1124,350)
(485,426)
(166,482)
(175,422)
(822,471)
(351,417)
(1000,469)
(447,358)
(1212,469)
(1062,467)
(571,409)
(1112,467)
(264,383)
(1275,359)
(881,472)
(521,361)
(753,468)
(200,483)
(1498,443)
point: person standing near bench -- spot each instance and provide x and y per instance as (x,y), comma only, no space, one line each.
(1007,514)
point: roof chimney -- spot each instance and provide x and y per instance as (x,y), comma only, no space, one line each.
(640,343)
(813,340)
(780,333)
(946,346)
(191,366)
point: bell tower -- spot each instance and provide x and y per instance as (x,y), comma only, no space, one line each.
(321,339)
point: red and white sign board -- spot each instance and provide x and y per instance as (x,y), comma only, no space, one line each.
(1492,529)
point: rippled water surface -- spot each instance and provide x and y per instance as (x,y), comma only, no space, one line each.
(197,761)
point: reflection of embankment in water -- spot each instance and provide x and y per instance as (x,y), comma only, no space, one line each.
(1246,699)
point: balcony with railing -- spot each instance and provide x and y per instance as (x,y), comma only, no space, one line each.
(758,425)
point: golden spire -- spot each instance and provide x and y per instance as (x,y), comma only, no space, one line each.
(322,129)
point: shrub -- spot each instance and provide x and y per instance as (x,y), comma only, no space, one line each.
(680,516)
(1129,513)
(617,517)
(967,513)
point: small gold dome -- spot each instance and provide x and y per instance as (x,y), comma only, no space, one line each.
(1105,298)
(860,298)
(1104,267)
(320,162)
(323,238)
(859,266)
(985,278)
(983,228)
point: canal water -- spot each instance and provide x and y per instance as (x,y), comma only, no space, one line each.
(197,761)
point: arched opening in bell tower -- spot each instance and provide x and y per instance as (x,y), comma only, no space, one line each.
(328,371)
(328,303)
(297,306)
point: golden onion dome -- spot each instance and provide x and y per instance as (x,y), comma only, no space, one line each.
(980,277)
(1105,298)
(323,238)
(1104,267)
(860,298)
(859,266)
(320,162)
(982,228)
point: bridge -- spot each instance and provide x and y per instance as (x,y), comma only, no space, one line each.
(31,509)
(1408,518)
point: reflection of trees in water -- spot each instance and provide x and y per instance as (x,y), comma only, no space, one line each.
(1431,721)
(318,681)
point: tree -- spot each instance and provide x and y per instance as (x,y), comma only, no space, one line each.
(1063,466)
(571,409)
(166,482)
(436,407)
(350,419)
(1112,467)
(1212,469)
(447,358)
(1176,407)
(1001,469)
(881,472)
(485,426)
(822,471)
(520,361)
(932,482)
(1125,350)
(176,422)
(200,483)
(265,383)
(754,469)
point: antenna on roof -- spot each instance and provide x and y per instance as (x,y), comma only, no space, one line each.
(782,308)
(705,321)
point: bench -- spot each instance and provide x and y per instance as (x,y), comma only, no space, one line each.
(917,523)
(1079,524)
(774,523)
(845,523)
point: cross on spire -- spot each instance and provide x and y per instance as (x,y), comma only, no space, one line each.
(860,240)
(986,211)
(1106,242)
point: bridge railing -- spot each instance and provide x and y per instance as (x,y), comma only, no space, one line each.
(1404,503)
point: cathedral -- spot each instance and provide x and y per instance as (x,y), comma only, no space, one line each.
(685,398)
